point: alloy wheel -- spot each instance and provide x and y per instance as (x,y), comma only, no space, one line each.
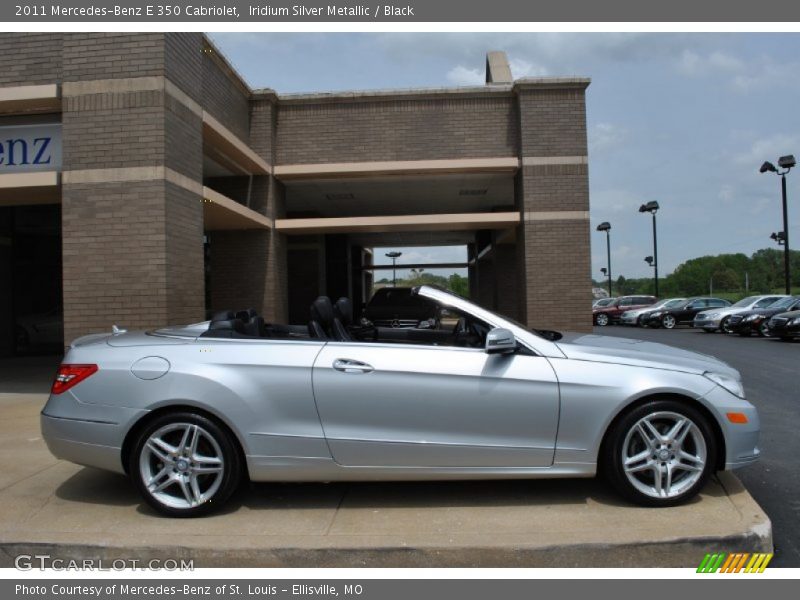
(602,320)
(181,465)
(725,326)
(668,322)
(664,454)
(763,329)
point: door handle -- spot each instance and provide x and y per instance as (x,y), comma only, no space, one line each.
(347,365)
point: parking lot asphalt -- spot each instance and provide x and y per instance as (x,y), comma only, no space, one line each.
(770,370)
(49,506)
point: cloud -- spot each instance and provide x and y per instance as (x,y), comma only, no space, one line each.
(767,148)
(763,76)
(461,75)
(694,64)
(604,137)
(522,68)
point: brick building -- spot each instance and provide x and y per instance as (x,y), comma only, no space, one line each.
(142,182)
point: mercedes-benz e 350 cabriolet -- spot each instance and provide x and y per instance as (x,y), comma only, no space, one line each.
(189,412)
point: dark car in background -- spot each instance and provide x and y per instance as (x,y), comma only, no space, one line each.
(786,325)
(757,321)
(397,307)
(611,313)
(682,314)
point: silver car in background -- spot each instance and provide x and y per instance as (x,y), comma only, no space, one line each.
(631,317)
(717,319)
(190,412)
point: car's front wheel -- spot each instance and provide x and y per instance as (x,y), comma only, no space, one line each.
(668,322)
(184,464)
(763,329)
(725,326)
(660,453)
(602,319)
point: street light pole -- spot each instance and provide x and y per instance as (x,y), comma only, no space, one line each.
(786,266)
(606,226)
(394,256)
(786,163)
(652,207)
(655,254)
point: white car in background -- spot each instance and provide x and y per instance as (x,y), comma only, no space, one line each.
(717,318)
(631,317)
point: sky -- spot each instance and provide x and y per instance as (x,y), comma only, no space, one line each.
(685,119)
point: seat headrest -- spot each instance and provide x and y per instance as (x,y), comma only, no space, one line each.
(223,315)
(322,310)
(343,310)
(246,315)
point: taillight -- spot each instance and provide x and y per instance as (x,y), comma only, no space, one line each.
(71,375)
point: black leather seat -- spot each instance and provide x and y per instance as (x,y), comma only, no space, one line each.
(253,323)
(342,319)
(321,324)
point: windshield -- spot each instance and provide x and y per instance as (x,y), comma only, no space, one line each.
(674,302)
(745,302)
(604,302)
(783,302)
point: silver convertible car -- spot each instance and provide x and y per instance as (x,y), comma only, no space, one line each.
(189,412)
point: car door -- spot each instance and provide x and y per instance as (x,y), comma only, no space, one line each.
(433,406)
(690,310)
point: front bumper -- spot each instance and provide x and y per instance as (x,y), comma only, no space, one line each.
(741,439)
(628,320)
(710,324)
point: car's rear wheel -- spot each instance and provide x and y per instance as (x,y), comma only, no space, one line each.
(763,329)
(184,464)
(660,453)
(602,319)
(668,322)
(725,326)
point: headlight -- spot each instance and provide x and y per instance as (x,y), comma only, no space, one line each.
(753,317)
(711,316)
(625,314)
(733,385)
(795,321)
(658,313)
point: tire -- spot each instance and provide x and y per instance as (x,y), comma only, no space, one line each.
(690,461)
(724,327)
(763,329)
(156,461)
(602,320)
(640,321)
(669,322)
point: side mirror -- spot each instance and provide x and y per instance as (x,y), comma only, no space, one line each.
(500,341)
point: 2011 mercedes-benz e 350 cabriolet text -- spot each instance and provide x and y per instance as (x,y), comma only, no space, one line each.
(189,412)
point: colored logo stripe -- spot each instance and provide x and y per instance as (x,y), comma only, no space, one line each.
(734,563)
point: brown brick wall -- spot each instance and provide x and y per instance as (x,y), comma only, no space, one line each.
(263,116)
(31,58)
(224,99)
(553,122)
(556,187)
(114,130)
(423,129)
(558,290)
(184,256)
(183,62)
(554,258)
(114,256)
(90,56)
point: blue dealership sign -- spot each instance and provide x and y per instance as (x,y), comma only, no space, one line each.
(26,148)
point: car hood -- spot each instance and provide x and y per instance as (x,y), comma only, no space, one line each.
(639,353)
(791,314)
(727,310)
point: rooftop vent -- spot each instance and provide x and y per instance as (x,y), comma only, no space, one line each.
(498,70)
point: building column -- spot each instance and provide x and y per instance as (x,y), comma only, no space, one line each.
(553,195)
(132,214)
